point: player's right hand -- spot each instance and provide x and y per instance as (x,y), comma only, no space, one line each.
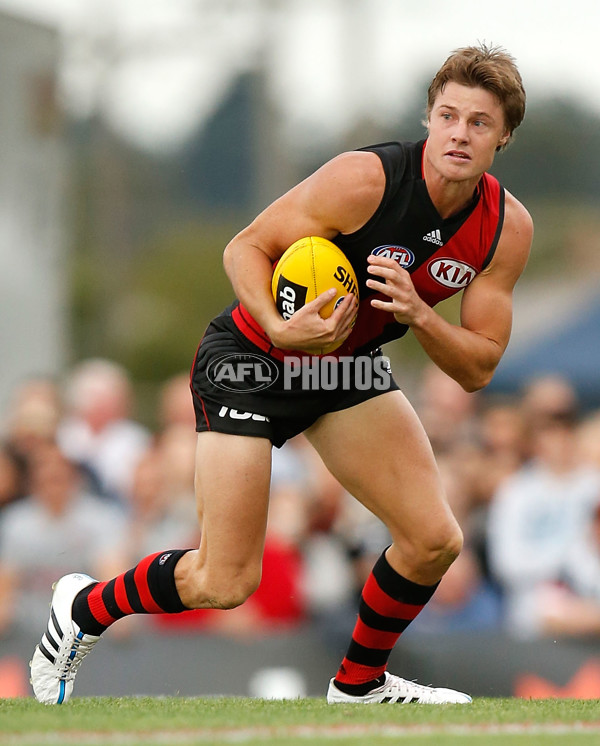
(306,330)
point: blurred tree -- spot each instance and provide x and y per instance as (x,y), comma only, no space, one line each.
(218,164)
(555,153)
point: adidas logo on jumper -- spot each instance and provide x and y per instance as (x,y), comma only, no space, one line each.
(434,237)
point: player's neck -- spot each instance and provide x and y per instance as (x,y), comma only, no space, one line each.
(450,197)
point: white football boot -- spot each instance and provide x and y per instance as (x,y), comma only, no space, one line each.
(63,646)
(399,691)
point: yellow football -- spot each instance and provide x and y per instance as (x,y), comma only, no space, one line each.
(309,267)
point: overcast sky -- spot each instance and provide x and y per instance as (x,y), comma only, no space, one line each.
(156,67)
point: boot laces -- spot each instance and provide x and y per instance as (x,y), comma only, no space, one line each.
(79,649)
(410,690)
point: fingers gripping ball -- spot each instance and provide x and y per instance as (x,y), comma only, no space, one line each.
(309,267)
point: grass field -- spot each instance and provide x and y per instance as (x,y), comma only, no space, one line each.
(255,722)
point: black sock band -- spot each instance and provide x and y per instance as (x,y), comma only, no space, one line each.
(148,588)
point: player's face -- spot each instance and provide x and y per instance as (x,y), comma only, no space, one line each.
(466,125)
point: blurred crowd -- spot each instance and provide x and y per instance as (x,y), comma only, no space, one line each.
(86,487)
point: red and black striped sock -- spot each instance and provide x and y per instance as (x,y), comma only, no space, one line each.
(148,588)
(388,604)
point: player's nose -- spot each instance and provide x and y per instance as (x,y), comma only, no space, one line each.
(460,132)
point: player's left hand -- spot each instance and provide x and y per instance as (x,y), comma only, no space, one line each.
(404,301)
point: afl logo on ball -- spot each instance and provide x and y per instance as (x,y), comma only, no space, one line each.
(451,273)
(399,254)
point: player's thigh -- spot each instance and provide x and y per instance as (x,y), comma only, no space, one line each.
(380,453)
(233,474)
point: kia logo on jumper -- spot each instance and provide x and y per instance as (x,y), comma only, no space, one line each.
(242,372)
(451,272)
(399,254)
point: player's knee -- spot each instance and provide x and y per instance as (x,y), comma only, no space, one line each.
(239,592)
(227,590)
(451,546)
(444,547)
(433,552)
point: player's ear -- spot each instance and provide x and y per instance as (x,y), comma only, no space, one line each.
(502,142)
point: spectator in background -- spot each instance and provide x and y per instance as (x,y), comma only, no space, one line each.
(503,434)
(548,397)
(177,448)
(98,432)
(160,509)
(161,496)
(13,471)
(33,415)
(572,606)
(501,450)
(175,405)
(40,535)
(537,515)
(464,602)
(447,411)
(588,437)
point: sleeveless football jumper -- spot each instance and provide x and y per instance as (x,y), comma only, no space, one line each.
(441,255)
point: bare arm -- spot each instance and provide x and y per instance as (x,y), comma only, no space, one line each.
(469,353)
(338,198)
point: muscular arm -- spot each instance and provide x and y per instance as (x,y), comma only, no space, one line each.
(338,198)
(469,353)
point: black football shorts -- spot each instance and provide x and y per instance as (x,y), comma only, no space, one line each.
(240,389)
